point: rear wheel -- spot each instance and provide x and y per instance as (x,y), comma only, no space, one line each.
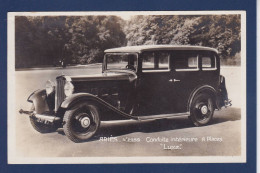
(40,127)
(202,109)
(81,122)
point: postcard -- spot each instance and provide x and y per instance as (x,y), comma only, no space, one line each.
(127,87)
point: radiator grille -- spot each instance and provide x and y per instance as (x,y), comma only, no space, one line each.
(60,95)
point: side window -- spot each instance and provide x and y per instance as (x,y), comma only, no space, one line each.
(163,60)
(186,62)
(208,62)
(148,61)
(155,61)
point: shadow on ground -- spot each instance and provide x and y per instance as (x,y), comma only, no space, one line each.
(118,128)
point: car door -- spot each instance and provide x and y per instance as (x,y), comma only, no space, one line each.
(185,78)
(154,84)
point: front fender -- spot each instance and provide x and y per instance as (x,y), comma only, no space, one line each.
(79,97)
(38,98)
(72,99)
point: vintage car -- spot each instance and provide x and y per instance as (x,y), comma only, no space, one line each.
(137,82)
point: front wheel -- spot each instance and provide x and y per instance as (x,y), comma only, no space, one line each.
(81,122)
(202,109)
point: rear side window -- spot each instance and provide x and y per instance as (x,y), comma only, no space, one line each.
(186,62)
(155,61)
(208,62)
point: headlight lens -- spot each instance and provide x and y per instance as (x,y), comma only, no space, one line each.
(68,88)
(49,87)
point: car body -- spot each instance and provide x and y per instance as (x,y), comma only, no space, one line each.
(137,82)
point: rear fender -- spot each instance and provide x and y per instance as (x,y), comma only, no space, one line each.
(74,99)
(223,95)
(204,89)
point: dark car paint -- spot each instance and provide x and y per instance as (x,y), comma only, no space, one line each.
(159,94)
(133,95)
(111,87)
(109,112)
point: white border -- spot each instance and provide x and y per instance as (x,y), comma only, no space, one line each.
(13,159)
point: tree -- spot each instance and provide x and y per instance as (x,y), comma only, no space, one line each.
(218,31)
(39,40)
(91,35)
(69,39)
(46,40)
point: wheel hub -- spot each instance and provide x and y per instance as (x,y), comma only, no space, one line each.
(85,122)
(204,109)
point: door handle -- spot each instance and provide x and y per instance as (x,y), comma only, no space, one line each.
(174,80)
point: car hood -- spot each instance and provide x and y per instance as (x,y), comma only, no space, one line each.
(109,75)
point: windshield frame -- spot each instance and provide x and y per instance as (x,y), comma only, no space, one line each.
(121,53)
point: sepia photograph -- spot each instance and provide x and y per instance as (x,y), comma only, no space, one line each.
(127,87)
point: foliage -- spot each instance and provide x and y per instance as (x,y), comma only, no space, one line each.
(218,31)
(38,40)
(91,35)
(74,39)
(49,40)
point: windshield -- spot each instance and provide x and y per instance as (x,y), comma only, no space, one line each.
(121,61)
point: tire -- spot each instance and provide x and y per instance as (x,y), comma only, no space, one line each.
(81,122)
(202,109)
(40,127)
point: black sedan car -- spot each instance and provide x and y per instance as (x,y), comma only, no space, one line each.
(137,82)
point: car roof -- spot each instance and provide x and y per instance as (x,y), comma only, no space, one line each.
(140,49)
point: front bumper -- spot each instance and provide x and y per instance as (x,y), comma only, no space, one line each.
(44,118)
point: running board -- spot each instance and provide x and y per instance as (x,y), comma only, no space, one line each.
(161,116)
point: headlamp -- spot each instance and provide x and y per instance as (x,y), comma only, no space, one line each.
(68,89)
(49,87)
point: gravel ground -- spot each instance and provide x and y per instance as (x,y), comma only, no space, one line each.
(131,138)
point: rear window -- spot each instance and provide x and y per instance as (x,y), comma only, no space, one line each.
(208,62)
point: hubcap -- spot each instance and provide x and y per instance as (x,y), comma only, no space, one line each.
(204,109)
(85,122)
